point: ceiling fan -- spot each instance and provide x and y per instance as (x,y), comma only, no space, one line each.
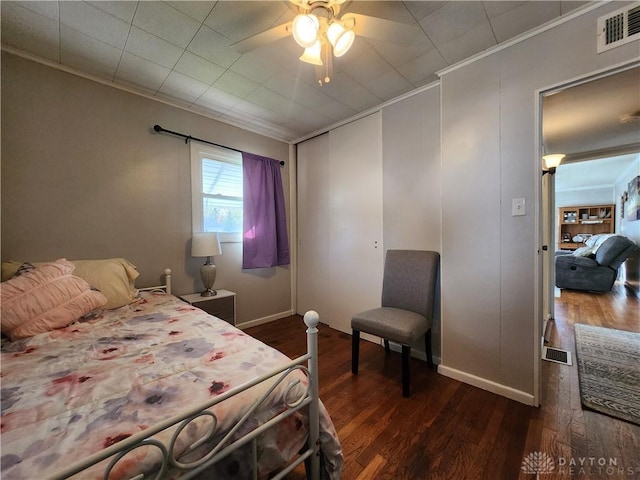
(323,33)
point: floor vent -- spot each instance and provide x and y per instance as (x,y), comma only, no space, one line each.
(556,355)
(618,27)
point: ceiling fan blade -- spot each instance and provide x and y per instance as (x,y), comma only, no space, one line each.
(297,5)
(381,29)
(261,39)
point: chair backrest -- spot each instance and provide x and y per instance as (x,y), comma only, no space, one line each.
(410,279)
(615,250)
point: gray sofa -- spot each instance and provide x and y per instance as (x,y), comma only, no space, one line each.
(595,266)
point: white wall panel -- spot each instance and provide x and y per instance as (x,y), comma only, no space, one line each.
(340,222)
(355,245)
(411,172)
(411,179)
(471,220)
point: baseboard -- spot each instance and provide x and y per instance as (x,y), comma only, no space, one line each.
(263,320)
(483,383)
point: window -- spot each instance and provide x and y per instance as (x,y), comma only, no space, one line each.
(216,185)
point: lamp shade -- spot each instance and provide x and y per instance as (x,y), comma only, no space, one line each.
(552,161)
(206,244)
(340,39)
(305,29)
(312,54)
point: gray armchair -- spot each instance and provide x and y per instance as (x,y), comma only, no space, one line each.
(596,272)
(408,296)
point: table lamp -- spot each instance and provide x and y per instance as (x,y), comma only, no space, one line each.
(206,244)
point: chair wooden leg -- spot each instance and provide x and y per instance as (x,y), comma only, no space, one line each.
(427,348)
(406,353)
(355,350)
(387,348)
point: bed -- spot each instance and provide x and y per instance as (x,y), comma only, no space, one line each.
(152,388)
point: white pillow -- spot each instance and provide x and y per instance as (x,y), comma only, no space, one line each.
(583,251)
(114,277)
(596,240)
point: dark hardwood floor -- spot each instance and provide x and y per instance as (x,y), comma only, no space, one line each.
(450,430)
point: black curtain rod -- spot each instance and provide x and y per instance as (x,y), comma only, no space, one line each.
(159,129)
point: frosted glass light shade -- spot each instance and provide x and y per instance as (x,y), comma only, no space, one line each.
(340,38)
(305,30)
(552,161)
(312,54)
(205,244)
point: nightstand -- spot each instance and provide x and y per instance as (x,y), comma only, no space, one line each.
(222,305)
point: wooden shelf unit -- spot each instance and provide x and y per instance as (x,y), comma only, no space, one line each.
(588,220)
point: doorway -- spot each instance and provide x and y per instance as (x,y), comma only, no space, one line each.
(592,121)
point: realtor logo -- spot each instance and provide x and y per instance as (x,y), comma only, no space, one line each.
(538,463)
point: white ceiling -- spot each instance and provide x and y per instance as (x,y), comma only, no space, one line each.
(602,172)
(180,51)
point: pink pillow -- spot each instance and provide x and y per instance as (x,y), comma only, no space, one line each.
(45,298)
(114,277)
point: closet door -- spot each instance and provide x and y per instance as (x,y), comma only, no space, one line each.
(313,267)
(340,252)
(355,235)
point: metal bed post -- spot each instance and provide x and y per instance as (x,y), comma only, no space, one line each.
(311,319)
(160,288)
(167,279)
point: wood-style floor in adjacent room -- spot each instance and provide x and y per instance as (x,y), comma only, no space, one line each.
(450,430)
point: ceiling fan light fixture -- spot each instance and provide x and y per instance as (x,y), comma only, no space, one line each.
(340,38)
(312,54)
(305,30)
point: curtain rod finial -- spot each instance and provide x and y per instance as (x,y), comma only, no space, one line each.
(157,128)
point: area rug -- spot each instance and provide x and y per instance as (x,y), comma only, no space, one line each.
(609,371)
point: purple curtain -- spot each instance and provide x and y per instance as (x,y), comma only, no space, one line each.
(265,242)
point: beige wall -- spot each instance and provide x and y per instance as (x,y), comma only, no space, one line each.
(84,176)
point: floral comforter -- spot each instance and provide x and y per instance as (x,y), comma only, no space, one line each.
(71,392)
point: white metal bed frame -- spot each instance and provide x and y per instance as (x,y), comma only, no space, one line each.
(224,447)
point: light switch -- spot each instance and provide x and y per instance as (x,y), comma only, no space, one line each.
(517,207)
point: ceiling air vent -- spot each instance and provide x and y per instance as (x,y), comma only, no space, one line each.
(619,27)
